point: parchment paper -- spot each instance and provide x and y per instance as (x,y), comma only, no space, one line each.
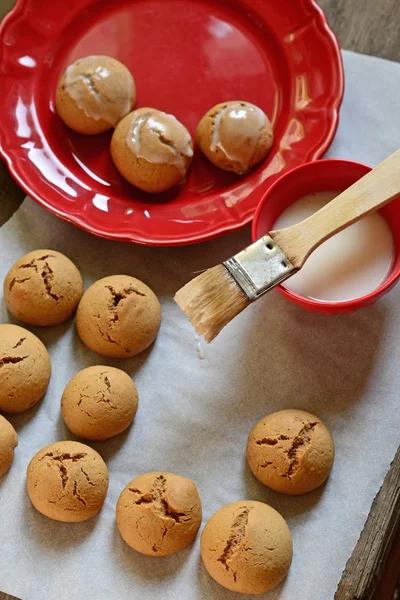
(194,415)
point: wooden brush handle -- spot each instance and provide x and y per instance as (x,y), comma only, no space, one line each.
(368,194)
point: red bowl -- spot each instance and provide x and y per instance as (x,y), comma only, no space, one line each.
(318,176)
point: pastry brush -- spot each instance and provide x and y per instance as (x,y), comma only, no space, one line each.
(215,297)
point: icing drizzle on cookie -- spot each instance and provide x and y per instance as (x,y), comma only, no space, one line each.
(82,80)
(159,138)
(236,131)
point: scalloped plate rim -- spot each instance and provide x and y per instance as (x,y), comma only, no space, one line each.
(11,157)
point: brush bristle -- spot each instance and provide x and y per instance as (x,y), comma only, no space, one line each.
(211,301)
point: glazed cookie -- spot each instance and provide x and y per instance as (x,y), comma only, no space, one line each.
(152,149)
(8,441)
(43,288)
(290,451)
(159,513)
(95,93)
(118,316)
(235,136)
(247,547)
(25,369)
(67,481)
(99,402)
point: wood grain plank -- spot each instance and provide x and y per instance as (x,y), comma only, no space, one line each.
(389,582)
(5,7)
(364,567)
(11,194)
(366,26)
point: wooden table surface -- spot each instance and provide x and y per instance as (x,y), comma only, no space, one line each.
(366,26)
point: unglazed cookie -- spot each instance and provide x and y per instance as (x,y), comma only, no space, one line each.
(95,93)
(118,316)
(67,481)
(290,451)
(99,402)
(159,513)
(247,547)
(152,149)
(43,288)
(25,369)
(235,136)
(8,441)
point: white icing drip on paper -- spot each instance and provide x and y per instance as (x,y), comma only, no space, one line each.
(181,144)
(240,123)
(199,347)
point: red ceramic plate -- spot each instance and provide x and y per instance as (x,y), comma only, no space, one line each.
(186,55)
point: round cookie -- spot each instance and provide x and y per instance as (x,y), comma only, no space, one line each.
(95,93)
(99,402)
(290,451)
(43,288)
(247,547)
(235,136)
(118,316)
(25,369)
(67,481)
(152,149)
(159,513)
(8,441)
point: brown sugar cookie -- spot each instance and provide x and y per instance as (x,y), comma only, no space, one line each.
(235,136)
(43,288)
(67,481)
(25,369)
(99,402)
(290,451)
(159,513)
(247,547)
(118,316)
(94,93)
(8,441)
(152,149)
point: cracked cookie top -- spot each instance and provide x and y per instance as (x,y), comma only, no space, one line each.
(246,546)
(290,451)
(152,149)
(67,481)
(43,288)
(25,369)
(118,316)
(235,136)
(99,402)
(8,442)
(159,513)
(94,93)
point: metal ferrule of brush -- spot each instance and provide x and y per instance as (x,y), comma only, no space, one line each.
(260,267)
